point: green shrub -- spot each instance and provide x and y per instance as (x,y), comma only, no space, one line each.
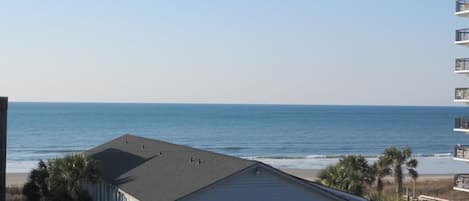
(60,179)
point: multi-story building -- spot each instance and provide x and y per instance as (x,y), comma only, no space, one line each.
(461,95)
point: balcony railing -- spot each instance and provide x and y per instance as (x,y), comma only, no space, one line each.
(461,152)
(462,5)
(461,94)
(462,35)
(462,64)
(461,123)
(461,182)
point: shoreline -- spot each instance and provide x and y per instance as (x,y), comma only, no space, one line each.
(18,179)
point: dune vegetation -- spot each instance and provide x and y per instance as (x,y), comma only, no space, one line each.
(354,174)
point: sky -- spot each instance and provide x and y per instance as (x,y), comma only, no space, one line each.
(362,52)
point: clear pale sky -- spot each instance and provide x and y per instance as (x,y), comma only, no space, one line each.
(363,52)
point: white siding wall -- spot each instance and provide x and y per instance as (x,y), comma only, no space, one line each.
(102,191)
(264,185)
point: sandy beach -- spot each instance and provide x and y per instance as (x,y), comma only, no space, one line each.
(303,173)
(16,179)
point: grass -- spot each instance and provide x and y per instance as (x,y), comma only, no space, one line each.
(14,194)
(441,188)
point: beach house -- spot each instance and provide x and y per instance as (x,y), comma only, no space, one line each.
(461,152)
(140,169)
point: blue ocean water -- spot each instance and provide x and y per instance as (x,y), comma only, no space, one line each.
(273,133)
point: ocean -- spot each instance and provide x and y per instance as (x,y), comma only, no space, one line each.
(285,136)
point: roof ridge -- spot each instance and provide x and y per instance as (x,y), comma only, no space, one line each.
(186,147)
(219,180)
(301,180)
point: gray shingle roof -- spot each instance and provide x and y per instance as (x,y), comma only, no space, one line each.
(149,169)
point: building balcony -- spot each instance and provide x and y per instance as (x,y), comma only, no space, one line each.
(461,182)
(461,95)
(462,37)
(462,66)
(461,153)
(461,124)
(462,8)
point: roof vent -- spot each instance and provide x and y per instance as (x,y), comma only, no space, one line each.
(191,160)
(126,142)
(258,171)
(143,146)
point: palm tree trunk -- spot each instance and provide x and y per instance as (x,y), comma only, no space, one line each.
(379,186)
(398,180)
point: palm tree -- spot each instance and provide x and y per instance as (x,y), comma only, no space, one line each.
(381,169)
(351,174)
(400,158)
(60,179)
(66,174)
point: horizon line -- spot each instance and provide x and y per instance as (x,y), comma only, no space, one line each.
(230,103)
